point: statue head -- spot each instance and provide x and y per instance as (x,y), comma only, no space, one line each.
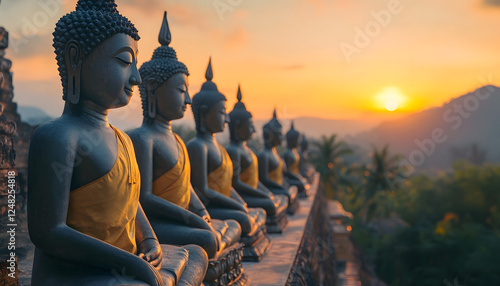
(304,144)
(240,121)
(209,106)
(164,81)
(292,137)
(96,51)
(272,132)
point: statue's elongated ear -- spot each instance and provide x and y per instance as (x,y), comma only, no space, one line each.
(74,59)
(151,87)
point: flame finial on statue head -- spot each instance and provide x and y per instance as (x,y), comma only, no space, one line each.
(164,38)
(209,74)
(238,96)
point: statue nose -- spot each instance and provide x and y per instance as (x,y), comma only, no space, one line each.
(135,81)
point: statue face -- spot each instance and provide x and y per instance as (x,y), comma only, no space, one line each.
(293,141)
(246,129)
(173,97)
(277,137)
(216,117)
(109,72)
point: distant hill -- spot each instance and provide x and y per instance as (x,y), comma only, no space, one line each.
(33,115)
(316,127)
(466,127)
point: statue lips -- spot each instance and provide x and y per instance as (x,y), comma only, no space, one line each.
(129,91)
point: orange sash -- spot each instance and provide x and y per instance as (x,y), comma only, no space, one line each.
(250,175)
(173,186)
(277,174)
(106,208)
(294,168)
(220,179)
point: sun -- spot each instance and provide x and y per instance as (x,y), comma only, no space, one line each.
(390,98)
(391,104)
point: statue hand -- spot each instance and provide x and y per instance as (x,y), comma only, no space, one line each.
(206,216)
(146,272)
(150,250)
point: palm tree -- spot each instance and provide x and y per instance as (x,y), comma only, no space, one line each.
(382,175)
(326,157)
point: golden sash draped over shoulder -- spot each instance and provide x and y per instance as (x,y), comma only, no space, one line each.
(220,179)
(173,186)
(106,208)
(294,168)
(277,174)
(250,175)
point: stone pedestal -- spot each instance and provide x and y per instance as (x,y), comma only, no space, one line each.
(226,268)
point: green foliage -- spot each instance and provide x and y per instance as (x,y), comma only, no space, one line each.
(326,158)
(452,229)
(424,230)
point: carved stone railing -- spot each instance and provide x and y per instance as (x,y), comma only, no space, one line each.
(304,253)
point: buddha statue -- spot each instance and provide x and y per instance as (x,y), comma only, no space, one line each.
(305,166)
(246,171)
(84,215)
(174,210)
(212,170)
(271,164)
(292,161)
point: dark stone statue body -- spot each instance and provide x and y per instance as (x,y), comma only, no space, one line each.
(305,166)
(292,163)
(209,159)
(83,177)
(271,165)
(245,170)
(158,151)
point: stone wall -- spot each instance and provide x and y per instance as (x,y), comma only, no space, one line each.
(315,260)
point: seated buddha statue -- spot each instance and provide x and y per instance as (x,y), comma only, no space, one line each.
(212,171)
(174,210)
(305,166)
(271,164)
(292,163)
(246,170)
(84,215)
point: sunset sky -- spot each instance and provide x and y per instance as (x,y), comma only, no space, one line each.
(331,59)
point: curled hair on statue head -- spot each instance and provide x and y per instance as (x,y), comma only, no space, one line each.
(92,22)
(160,68)
(208,96)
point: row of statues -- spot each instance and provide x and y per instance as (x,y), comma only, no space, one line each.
(144,207)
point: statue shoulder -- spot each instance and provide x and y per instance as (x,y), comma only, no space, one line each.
(196,147)
(54,132)
(233,151)
(141,135)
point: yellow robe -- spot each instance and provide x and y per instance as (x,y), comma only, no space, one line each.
(294,168)
(220,179)
(250,175)
(173,186)
(277,174)
(107,207)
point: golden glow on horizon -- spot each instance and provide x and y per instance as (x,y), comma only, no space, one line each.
(390,98)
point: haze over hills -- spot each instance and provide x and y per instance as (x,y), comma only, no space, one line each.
(465,127)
